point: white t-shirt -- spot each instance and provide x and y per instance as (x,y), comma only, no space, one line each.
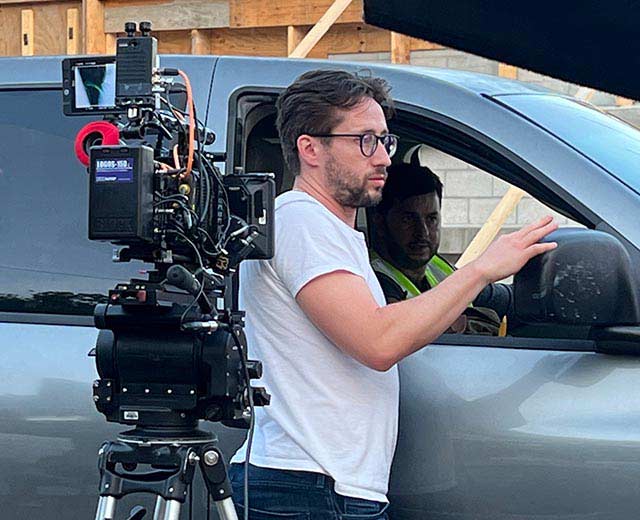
(329,413)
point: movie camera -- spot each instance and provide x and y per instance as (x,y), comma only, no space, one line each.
(171,349)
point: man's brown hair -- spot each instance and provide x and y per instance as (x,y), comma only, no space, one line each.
(311,104)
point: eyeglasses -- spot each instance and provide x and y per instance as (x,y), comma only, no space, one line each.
(369,142)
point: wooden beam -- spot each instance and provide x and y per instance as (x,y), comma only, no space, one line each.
(295,34)
(31,2)
(492,226)
(110,43)
(319,30)
(507,71)
(351,38)
(168,15)
(266,41)
(422,45)
(200,42)
(174,42)
(279,13)
(272,41)
(400,48)
(95,41)
(27,31)
(73,31)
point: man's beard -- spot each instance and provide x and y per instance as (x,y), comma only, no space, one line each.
(400,259)
(348,190)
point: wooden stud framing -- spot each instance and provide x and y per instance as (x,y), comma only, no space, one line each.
(295,34)
(400,48)
(27,32)
(200,42)
(95,40)
(73,31)
(110,43)
(319,30)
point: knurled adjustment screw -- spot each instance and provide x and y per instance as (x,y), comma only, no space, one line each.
(211,458)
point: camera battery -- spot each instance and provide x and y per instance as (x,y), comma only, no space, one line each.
(121,194)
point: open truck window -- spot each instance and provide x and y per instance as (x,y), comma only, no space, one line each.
(474,176)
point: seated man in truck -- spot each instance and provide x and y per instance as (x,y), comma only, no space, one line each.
(405,239)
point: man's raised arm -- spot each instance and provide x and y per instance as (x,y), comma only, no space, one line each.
(342,306)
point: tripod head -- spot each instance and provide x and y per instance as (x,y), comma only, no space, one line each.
(165,363)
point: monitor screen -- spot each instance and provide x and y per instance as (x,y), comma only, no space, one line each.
(95,86)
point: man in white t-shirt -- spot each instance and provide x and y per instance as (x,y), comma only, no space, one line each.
(316,315)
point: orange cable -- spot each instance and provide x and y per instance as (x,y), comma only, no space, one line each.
(192,125)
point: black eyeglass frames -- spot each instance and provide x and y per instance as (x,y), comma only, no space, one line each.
(369,142)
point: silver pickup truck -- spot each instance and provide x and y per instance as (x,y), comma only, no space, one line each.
(541,423)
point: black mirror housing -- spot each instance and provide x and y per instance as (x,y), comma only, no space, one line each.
(587,280)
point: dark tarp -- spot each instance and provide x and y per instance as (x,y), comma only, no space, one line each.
(595,43)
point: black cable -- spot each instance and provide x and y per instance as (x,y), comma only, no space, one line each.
(203,177)
(251,423)
(208,237)
(175,110)
(205,210)
(225,199)
(210,171)
(201,265)
(191,501)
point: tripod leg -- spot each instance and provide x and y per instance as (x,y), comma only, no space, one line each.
(159,510)
(226,509)
(216,479)
(172,510)
(106,508)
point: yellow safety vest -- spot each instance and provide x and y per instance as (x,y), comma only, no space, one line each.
(436,270)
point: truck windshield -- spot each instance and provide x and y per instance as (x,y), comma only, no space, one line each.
(607,140)
(47,263)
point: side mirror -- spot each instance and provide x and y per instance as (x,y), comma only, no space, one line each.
(586,281)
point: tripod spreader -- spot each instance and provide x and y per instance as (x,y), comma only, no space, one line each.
(173,465)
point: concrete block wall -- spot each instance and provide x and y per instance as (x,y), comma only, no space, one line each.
(470,195)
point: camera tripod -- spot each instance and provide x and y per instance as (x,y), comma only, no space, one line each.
(173,464)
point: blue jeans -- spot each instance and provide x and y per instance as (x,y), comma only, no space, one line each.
(276,494)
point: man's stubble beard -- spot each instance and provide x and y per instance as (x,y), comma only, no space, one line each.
(397,254)
(346,188)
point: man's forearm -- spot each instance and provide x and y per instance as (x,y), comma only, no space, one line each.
(404,327)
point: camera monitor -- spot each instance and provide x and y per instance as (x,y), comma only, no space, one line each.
(89,85)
